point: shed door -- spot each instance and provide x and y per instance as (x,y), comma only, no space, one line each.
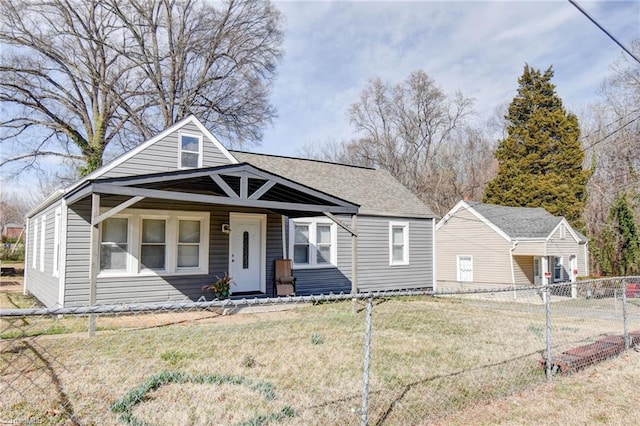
(246,253)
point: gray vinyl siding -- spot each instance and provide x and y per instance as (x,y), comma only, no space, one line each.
(465,235)
(42,283)
(334,280)
(374,271)
(150,289)
(162,156)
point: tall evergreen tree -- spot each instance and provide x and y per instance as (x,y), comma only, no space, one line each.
(625,254)
(540,160)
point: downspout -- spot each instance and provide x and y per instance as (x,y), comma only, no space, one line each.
(513,275)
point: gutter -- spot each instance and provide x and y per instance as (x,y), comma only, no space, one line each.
(55,196)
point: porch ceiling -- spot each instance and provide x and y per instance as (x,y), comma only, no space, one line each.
(240,185)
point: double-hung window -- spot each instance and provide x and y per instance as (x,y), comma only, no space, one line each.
(190,151)
(312,242)
(153,246)
(189,238)
(114,244)
(398,243)
(143,242)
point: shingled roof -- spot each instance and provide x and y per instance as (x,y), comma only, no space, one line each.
(374,190)
(519,222)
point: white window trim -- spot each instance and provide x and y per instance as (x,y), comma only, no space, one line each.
(56,242)
(35,244)
(458,270)
(134,235)
(405,243)
(200,148)
(43,240)
(313,222)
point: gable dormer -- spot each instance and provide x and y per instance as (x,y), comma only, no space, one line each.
(185,145)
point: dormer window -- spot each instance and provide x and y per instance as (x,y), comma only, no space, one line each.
(190,151)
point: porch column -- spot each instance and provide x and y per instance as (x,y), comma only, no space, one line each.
(94,255)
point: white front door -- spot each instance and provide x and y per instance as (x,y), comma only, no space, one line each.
(537,271)
(247,252)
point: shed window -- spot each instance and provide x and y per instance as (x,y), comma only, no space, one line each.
(43,240)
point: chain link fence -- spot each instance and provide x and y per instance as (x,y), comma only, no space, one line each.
(399,358)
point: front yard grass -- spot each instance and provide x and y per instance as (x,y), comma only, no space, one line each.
(432,360)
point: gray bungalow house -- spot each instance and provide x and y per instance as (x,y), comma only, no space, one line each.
(168,217)
(481,245)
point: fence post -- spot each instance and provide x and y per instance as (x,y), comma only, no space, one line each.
(367,359)
(625,330)
(547,305)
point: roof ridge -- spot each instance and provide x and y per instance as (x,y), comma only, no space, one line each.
(302,159)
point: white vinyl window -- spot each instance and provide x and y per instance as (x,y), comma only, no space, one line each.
(155,242)
(114,244)
(153,245)
(398,243)
(190,151)
(56,242)
(35,244)
(189,238)
(312,243)
(465,268)
(43,240)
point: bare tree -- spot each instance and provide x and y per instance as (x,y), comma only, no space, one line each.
(612,145)
(421,136)
(79,76)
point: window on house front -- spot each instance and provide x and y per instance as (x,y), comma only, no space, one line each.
(465,268)
(190,151)
(189,243)
(313,242)
(398,243)
(155,242)
(558,269)
(114,244)
(153,246)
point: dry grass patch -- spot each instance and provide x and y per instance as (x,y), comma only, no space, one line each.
(431,358)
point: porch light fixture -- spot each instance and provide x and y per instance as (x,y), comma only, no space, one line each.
(226,229)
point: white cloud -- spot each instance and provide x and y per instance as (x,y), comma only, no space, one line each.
(479,48)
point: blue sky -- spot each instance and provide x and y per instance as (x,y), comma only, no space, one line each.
(478,47)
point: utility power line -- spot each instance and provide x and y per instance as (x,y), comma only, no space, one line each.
(584,12)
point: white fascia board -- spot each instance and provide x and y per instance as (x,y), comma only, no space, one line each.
(463,205)
(454,210)
(567,227)
(129,154)
(55,196)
